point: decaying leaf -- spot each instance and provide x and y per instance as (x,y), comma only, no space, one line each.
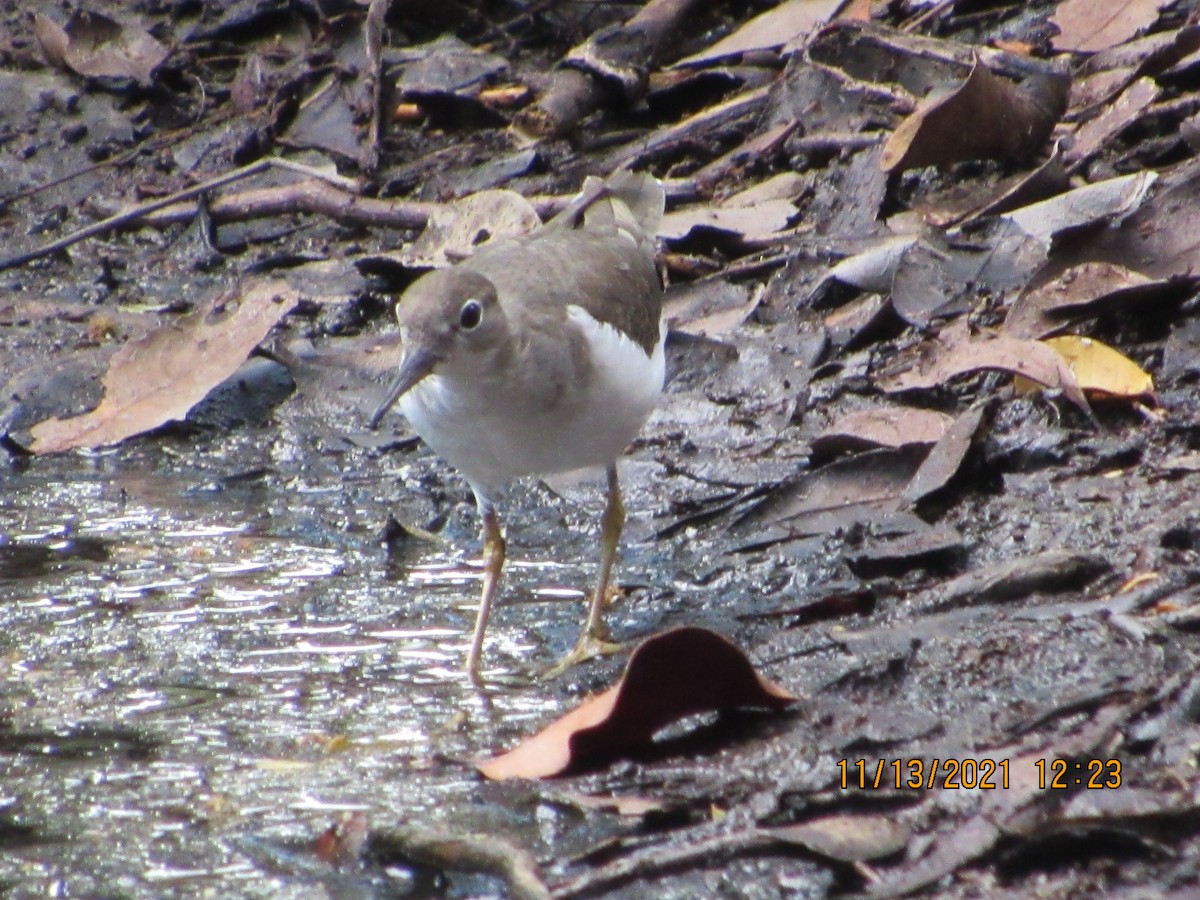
(456,231)
(987,117)
(784,26)
(1100,370)
(847,838)
(968,202)
(882,426)
(159,377)
(928,284)
(671,675)
(446,67)
(1159,237)
(709,308)
(955,352)
(94,45)
(1085,290)
(1095,133)
(1112,199)
(1086,25)
(326,120)
(846,491)
(947,455)
(750,223)
(874,268)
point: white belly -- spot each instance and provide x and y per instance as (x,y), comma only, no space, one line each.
(493,434)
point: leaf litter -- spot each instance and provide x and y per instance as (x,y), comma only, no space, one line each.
(839,474)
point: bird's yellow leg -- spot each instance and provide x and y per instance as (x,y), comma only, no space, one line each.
(594,640)
(494,548)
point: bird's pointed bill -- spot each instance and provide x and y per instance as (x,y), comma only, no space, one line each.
(418,362)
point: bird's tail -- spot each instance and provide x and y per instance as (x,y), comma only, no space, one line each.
(630,201)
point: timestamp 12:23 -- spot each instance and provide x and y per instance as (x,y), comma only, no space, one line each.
(975,774)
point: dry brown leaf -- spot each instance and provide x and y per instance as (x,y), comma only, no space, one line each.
(1043,310)
(457,230)
(94,45)
(1101,370)
(751,223)
(786,26)
(986,117)
(709,308)
(1112,199)
(955,353)
(947,455)
(1115,117)
(883,426)
(671,675)
(1089,25)
(159,377)
(847,838)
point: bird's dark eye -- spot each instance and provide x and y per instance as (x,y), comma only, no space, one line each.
(471,314)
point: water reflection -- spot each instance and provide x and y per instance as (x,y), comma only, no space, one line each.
(182,668)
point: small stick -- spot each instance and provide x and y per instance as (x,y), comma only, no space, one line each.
(143,209)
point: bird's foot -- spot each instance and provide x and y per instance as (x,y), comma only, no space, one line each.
(589,646)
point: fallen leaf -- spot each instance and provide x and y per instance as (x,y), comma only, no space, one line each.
(928,284)
(986,117)
(458,229)
(784,26)
(94,45)
(446,67)
(1112,120)
(968,203)
(874,268)
(709,308)
(847,838)
(955,353)
(1101,370)
(859,321)
(1084,290)
(893,548)
(881,426)
(671,675)
(326,120)
(1112,199)
(836,495)
(1158,237)
(946,457)
(159,377)
(1050,571)
(1085,25)
(751,223)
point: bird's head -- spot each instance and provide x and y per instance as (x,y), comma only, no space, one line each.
(447,318)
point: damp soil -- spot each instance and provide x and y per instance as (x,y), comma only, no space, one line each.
(222,637)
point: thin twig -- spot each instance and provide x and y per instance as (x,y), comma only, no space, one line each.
(144,209)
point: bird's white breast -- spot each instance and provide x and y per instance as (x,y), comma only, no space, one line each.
(494,429)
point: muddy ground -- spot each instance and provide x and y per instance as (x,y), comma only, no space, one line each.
(233,617)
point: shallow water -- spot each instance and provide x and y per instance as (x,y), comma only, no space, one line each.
(204,664)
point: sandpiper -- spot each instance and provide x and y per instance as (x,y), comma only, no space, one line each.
(540,354)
